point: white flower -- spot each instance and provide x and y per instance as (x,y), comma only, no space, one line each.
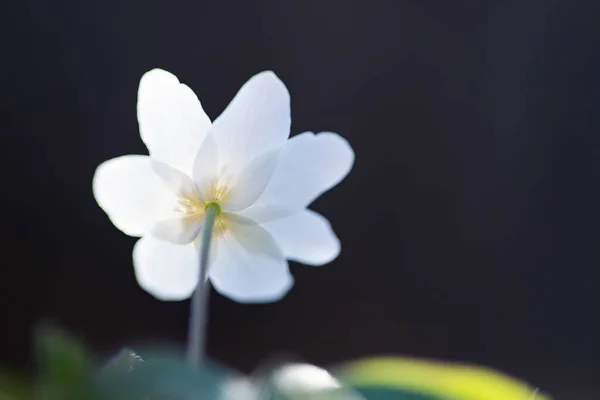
(244,162)
(292,380)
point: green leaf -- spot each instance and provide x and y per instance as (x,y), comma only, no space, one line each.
(65,367)
(381,393)
(431,379)
(124,362)
(164,376)
(14,389)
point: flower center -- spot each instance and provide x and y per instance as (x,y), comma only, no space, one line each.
(196,208)
(215,205)
(220,226)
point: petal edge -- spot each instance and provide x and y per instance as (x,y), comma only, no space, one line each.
(305,237)
(171,119)
(131,193)
(249,267)
(309,166)
(167,271)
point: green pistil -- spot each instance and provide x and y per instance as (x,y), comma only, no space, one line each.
(216,207)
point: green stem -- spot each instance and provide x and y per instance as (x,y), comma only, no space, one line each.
(199,309)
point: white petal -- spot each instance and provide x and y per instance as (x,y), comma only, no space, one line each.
(305,379)
(212,254)
(263,213)
(249,184)
(305,237)
(176,181)
(165,270)
(308,166)
(131,193)
(239,388)
(178,230)
(249,267)
(205,166)
(171,119)
(256,121)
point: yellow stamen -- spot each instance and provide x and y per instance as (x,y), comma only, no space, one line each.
(190,206)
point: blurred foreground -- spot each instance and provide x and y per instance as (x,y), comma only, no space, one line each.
(67,373)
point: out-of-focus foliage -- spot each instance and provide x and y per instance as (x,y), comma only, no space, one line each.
(434,380)
(164,375)
(395,379)
(125,361)
(12,388)
(65,367)
(67,372)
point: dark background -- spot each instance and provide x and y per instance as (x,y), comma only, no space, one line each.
(470,223)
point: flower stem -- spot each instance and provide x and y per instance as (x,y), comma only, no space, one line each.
(199,309)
